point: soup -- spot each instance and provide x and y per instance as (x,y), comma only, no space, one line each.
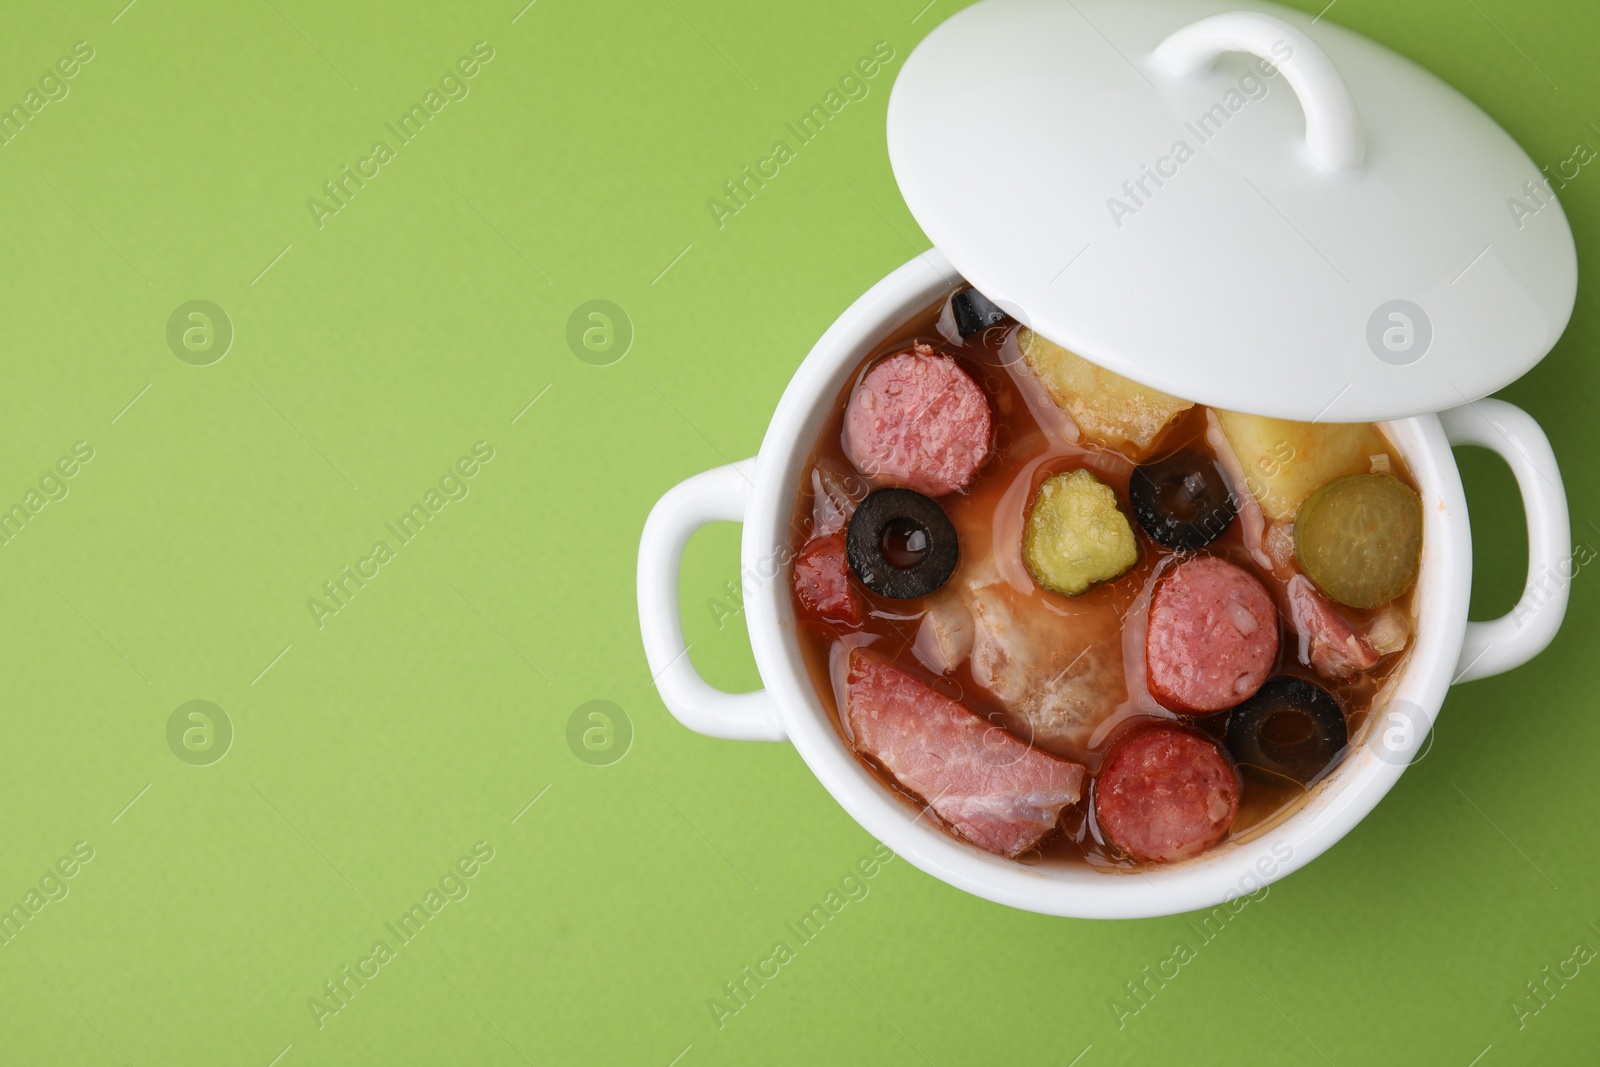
(1071,619)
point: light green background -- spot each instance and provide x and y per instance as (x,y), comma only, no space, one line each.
(371,754)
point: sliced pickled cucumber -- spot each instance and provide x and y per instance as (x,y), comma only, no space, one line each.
(1360,538)
(1077,535)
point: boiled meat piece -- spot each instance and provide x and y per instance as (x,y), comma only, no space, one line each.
(1327,642)
(992,789)
(1059,675)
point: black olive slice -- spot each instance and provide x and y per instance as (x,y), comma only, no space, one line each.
(1182,501)
(1291,727)
(974,312)
(901,544)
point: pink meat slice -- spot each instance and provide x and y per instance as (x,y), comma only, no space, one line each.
(918,420)
(1327,641)
(1213,636)
(1166,794)
(995,791)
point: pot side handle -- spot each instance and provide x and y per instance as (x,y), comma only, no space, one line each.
(715,495)
(1334,134)
(1514,639)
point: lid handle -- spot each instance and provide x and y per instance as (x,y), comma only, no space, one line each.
(1333,125)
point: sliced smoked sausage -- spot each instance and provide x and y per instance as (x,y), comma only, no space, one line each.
(919,421)
(1213,636)
(1166,794)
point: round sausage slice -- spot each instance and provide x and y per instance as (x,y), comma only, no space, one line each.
(1213,636)
(1166,794)
(917,420)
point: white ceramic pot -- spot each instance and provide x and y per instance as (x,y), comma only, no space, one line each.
(762,492)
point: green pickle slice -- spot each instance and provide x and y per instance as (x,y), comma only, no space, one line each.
(1077,535)
(1360,538)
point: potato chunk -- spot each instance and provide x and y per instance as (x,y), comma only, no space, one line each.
(1077,535)
(1109,409)
(1285,461)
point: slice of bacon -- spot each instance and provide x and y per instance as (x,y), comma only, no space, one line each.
(993,790)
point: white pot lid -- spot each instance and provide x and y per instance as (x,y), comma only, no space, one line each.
(1346,238)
